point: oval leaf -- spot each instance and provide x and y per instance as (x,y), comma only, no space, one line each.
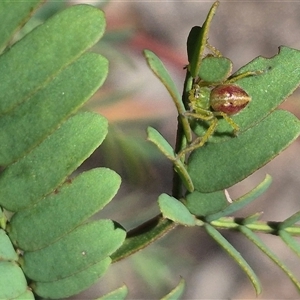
(27,295)
(47,166)
(174,210)
(277,80)
(7,251)
(60,212)
(203,204)
(12,280)
(29,123)
(163,75)
(157,139)
(14,15)
(72,285)
(162,144)
(47,49)
(211,167)
(83,247)
(215,69)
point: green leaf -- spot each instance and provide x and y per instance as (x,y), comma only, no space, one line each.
(12,280)
(268,90)
(252,218)
(62,96)
(14,15)
(118,294)
(258,242)
(163,75)
(83,247)
(27,295)
(203,204)
(28,180)
(152,230)
(174,210)
(177,292)
(7,251)
(40,55)
(157,139)
(47,221)
(290,241)
(241,202)
(215,69)
(196,42)
(162,144)
(216,235)
(278,80)
(290,221)
(211,167)
(74,284)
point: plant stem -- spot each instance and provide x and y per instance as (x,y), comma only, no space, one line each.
(181,139)
(143,235)
(148,232)
(257,226)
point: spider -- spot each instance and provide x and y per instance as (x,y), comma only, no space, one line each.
(215,95)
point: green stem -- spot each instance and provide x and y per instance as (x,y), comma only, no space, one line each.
(143,235)
(150,231)
(258,226)
(181,139)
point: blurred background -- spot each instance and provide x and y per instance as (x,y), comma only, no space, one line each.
(133,98)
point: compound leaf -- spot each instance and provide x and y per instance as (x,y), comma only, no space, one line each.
(45,78)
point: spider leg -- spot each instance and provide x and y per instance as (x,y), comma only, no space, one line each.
(235,127)
(200,141)
(242,75)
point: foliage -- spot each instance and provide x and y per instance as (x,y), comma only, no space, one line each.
(49,247)
(43,143)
